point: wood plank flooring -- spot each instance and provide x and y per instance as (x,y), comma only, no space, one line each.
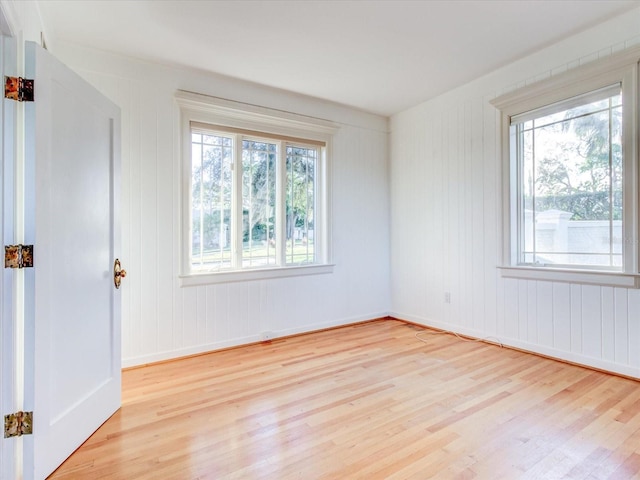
(368,401)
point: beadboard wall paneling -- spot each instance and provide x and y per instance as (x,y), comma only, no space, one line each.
(162,320)
(446,230)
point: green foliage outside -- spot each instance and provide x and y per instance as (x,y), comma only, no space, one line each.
(577,171)
(212,193)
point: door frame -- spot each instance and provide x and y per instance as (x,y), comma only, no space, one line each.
(11,230)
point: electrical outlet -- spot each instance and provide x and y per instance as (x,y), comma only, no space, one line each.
(447,297)
(266,336)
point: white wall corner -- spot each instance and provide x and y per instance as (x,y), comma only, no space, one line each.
(10,21)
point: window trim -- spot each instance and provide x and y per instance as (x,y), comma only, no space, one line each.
(620,68)
(218,112)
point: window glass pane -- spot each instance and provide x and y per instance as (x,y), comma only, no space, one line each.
(258,203)
(565,115)
(211,158)
(571,186)
(300,204)
(527,182)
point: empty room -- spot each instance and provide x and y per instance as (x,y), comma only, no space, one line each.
(320,239)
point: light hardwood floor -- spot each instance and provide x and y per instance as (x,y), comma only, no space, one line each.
(368,401)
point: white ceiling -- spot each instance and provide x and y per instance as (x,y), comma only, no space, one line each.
(379,56)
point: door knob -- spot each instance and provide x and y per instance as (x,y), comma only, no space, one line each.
(118,273)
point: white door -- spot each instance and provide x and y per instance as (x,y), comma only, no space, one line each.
(72,309)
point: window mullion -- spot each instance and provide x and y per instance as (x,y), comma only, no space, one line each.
(236,204)
(281,182)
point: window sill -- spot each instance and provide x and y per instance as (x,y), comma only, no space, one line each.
(587,277)
(209,278)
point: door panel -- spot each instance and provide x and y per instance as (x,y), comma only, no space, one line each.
(72,164)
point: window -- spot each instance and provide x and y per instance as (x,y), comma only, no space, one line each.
(568,158)
(254,199)
(571,176)
(256,221)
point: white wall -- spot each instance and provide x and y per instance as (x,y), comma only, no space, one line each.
(445,214)
(23,20)
(162,320)
(446,231)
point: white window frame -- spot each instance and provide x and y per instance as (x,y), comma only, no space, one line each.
(619,68)
(203,109)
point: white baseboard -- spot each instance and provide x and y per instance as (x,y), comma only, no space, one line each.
(576,358)
(239,341)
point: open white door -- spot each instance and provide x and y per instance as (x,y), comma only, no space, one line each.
(72,309)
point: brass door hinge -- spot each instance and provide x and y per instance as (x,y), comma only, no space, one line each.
(18,256)
(18,424)
(18,88)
